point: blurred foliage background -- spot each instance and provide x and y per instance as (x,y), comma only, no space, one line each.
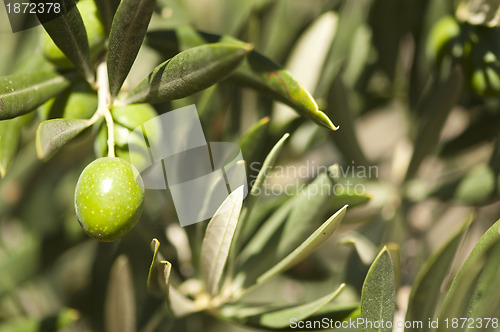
(414,97)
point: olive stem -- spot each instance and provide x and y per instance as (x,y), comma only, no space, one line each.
(104,104)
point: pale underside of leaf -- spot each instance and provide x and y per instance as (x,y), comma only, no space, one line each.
(218,238)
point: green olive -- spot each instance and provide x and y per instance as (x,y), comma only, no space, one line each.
(482,60)
(444,39)
(96,35)
(109,198)
(80,102)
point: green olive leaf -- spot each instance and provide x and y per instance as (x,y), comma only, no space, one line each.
(256,71)
(125,39)
(460,295)
(251,142)
(280,317)
(264,75)
(311,244)
(68,32)
(249,228)
(217,241)
(378,297)
(22,93)
(10,135)
(189,72)
(52,135)
(120,299)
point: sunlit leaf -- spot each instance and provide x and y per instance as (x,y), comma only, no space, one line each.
(364,247)
(378,297)
(22,93)
(189,72)
(125,39)
(218,238)
(68,32)
(120,299)
(52,135)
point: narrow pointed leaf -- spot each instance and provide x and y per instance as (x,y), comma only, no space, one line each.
(256,71)
(52,135)
(68,32)
(460,295)
(218,238)
(424,296)
(10,135)
(255,192)
(311,244)
(251,142)
(264,75)
(120,300)
(22,93)
(282,318)
(189,72)
(125,39)
(378,297)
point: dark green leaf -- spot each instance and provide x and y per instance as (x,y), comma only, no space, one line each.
(10,135)
(120,300)
(460,295)
(256,71)
(256,191)
(251,142)
(378,297)
(189,72)
(22,93)
(68,32)
(125,39)
(218,238)
(52,135)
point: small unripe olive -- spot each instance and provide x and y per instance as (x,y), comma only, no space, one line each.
(109,198)
(444,39)
(96,35)
(78,102)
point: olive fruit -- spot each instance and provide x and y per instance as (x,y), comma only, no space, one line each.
(109,198)
(96,35)
(444,39)
(78,102)
(482,60)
